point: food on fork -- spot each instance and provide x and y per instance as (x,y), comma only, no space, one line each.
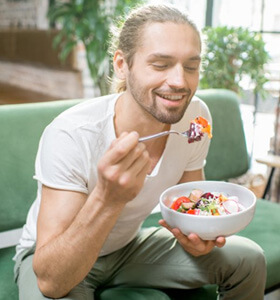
(198,127)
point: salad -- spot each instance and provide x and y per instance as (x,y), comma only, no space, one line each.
(207,204)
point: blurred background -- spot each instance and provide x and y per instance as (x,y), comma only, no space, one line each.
(52,50)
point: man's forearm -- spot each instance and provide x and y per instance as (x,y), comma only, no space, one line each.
(65,260)
(69,243)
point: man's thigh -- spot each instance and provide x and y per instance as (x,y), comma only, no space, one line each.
(28,288)
(156,259)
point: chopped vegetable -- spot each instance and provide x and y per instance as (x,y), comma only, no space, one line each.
(208,204)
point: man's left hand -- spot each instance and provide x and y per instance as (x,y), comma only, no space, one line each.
(192,243)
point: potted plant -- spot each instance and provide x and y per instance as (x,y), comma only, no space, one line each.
(233,55)
(88,21)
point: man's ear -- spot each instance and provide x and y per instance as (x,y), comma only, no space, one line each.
(120,65)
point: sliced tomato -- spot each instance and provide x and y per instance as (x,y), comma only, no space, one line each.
(193,211)
(177,203)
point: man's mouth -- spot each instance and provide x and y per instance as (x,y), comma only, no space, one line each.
(171,97)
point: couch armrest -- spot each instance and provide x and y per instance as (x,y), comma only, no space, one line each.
(10,238)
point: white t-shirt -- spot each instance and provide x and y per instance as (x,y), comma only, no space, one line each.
(73,143)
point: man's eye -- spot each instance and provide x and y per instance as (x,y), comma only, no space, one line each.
(191,69)
(160,67)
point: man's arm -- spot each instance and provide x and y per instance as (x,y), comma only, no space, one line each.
(192,243)
(72,227)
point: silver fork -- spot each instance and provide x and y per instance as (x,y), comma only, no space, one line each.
(163,133)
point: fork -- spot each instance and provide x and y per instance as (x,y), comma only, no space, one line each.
(163,133)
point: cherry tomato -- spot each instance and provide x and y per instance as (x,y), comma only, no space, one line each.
(177,203)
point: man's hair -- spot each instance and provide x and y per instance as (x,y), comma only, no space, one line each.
(128,37)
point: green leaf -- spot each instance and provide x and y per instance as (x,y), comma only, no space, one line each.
(67,49)
(231,54)
(89,21)
(57,39)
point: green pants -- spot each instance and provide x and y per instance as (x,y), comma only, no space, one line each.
(155,259)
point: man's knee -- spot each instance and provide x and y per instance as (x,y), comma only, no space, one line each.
(253,258)
(245,259)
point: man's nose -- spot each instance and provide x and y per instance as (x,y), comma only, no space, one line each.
(176,77)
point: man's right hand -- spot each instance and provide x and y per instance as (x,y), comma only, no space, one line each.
(123,168)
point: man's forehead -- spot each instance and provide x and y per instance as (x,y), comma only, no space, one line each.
(167,40)
(167,32)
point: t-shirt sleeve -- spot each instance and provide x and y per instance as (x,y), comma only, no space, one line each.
(60,160)
(197,159)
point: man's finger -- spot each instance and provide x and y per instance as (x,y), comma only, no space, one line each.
(121,147)
(220,242)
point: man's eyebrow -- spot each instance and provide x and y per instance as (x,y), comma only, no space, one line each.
(166,56)
(159,56)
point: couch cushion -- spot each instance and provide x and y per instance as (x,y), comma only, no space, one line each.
(125,293)
(21,126)
(265,231)
(8,288)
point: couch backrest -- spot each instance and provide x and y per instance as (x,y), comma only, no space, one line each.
(21,126)
(228,155)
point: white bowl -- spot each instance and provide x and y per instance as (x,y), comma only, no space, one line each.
(208,227)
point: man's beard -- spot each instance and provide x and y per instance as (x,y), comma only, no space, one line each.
(171,115)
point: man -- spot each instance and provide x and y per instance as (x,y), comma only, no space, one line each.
(97,183)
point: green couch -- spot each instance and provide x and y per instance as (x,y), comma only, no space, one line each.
(20,129)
